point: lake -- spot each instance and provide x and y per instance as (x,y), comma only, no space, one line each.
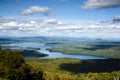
(43,49)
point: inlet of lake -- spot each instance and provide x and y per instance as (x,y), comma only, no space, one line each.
(43,49)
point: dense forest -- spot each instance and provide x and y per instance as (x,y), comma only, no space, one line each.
(104,50)
(14,67)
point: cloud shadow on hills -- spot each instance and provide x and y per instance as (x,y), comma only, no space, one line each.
(85,66)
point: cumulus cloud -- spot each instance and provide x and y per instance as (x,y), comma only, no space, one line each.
(116,19)
(94,27)
(54,27)
(36,9)
(114,26)
(90,4)
(32,22)
(69,27)
(10,24)
(17,25)
(52,21)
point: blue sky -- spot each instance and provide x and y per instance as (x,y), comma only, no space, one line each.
(76,18)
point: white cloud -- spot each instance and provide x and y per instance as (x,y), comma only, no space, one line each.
(52,21)
(32,22)
(90,4)
(69,27)
(116,19)
(10,24)
(25,24)
(114,26)
(94,27)
(53,27)
(36,9)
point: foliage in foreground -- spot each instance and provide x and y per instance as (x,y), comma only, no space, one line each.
(14,67)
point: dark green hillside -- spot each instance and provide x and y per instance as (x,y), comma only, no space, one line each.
(32,53)
(75,69)
(108,51)
(95,66)
(13,67)
(11,59)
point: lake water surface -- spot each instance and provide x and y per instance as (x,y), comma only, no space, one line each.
(43,49)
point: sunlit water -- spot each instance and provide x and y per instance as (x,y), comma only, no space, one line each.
(43,49)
